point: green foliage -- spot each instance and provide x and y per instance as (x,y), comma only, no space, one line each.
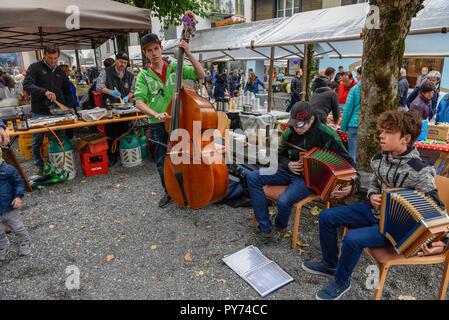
(170,12)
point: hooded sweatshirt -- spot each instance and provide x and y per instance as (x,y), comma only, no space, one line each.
(403,171)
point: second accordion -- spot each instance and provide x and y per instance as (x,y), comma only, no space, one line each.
(409,219)
(325,172)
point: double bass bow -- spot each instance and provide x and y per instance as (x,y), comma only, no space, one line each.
(195,173)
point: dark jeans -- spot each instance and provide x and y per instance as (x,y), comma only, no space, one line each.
(295,192)
(365,234)
(158,133)
(293,99)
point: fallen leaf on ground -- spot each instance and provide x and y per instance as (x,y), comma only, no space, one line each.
(109,257)
(206,263)
(68,190)
(51,191)
(208,227)
(124,176)
(315,211)
(78,244)
(252,298)
(197,224)
(187,257)
(401,297)
(122,236)
(155,278)
(83,181)
(82,227)
(116,186)
(288,234)
(35,216)
(178,240)
(199,273)
(309,276)
(272,212)
(316,222)
(51,226)
(223,280)
(302,243)
(153,193)
(300,251)
(153,247)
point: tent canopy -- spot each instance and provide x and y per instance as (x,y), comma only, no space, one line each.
(337,30)
(27,25)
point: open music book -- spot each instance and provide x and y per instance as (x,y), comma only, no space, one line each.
(264,275)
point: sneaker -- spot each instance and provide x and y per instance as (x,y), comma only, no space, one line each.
(24,249)
(3,253)
(318,268)
(165,200)
(333,291)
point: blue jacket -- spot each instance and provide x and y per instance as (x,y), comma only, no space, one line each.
(254,88)
(351,111)
(443,110)
(11,186)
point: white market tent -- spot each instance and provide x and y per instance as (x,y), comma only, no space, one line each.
(336,31)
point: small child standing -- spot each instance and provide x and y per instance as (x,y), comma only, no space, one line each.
(12,191)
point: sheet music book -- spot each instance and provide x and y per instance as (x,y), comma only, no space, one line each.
(264,275)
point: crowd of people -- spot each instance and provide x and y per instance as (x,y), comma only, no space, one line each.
(152,91)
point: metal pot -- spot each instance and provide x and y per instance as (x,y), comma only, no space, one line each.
(247,108)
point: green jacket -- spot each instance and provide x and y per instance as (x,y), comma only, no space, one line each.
(156,94)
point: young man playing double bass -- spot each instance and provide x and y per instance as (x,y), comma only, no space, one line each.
(154,91)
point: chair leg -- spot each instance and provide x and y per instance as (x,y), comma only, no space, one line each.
(254,220)
(444,281)
(296,226)
(380,286)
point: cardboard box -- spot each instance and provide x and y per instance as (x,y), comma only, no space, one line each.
(92,144)
(438,132)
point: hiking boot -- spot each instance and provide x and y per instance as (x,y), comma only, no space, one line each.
(272,236)
(165,200)
(3,253)
(333,291)
(318,268)
(24,249)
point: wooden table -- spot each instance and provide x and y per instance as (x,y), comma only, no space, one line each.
(11,158)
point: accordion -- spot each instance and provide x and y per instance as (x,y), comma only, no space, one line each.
(325,172)
(409,220)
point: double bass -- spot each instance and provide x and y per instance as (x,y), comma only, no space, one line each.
(195,171)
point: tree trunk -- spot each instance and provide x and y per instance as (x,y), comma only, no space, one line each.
(308,68)
(383,51)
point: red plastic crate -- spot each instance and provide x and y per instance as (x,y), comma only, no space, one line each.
(94,164)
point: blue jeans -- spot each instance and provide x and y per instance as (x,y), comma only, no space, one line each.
(158,133)
(295,192)
(293,99)
(352,141)
(365,234)
(38,139)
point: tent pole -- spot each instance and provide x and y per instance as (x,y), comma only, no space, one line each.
(78,66)
(305,72)
(270,79)
(95,53)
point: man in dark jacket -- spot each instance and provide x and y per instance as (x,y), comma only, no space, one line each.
(306,131)
(232,81)
(323,80)
(434,77)
(47,83)
(403,90)
(296,88)
(325,100)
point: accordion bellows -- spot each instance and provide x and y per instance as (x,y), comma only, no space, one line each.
(409,219)
(325,171)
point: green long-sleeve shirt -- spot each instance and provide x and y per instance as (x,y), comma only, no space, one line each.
(156,94)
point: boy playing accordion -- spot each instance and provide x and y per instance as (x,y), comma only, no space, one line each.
(397,166)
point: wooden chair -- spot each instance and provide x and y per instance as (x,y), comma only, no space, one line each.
(387,257)
(223,125)
(273,192)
